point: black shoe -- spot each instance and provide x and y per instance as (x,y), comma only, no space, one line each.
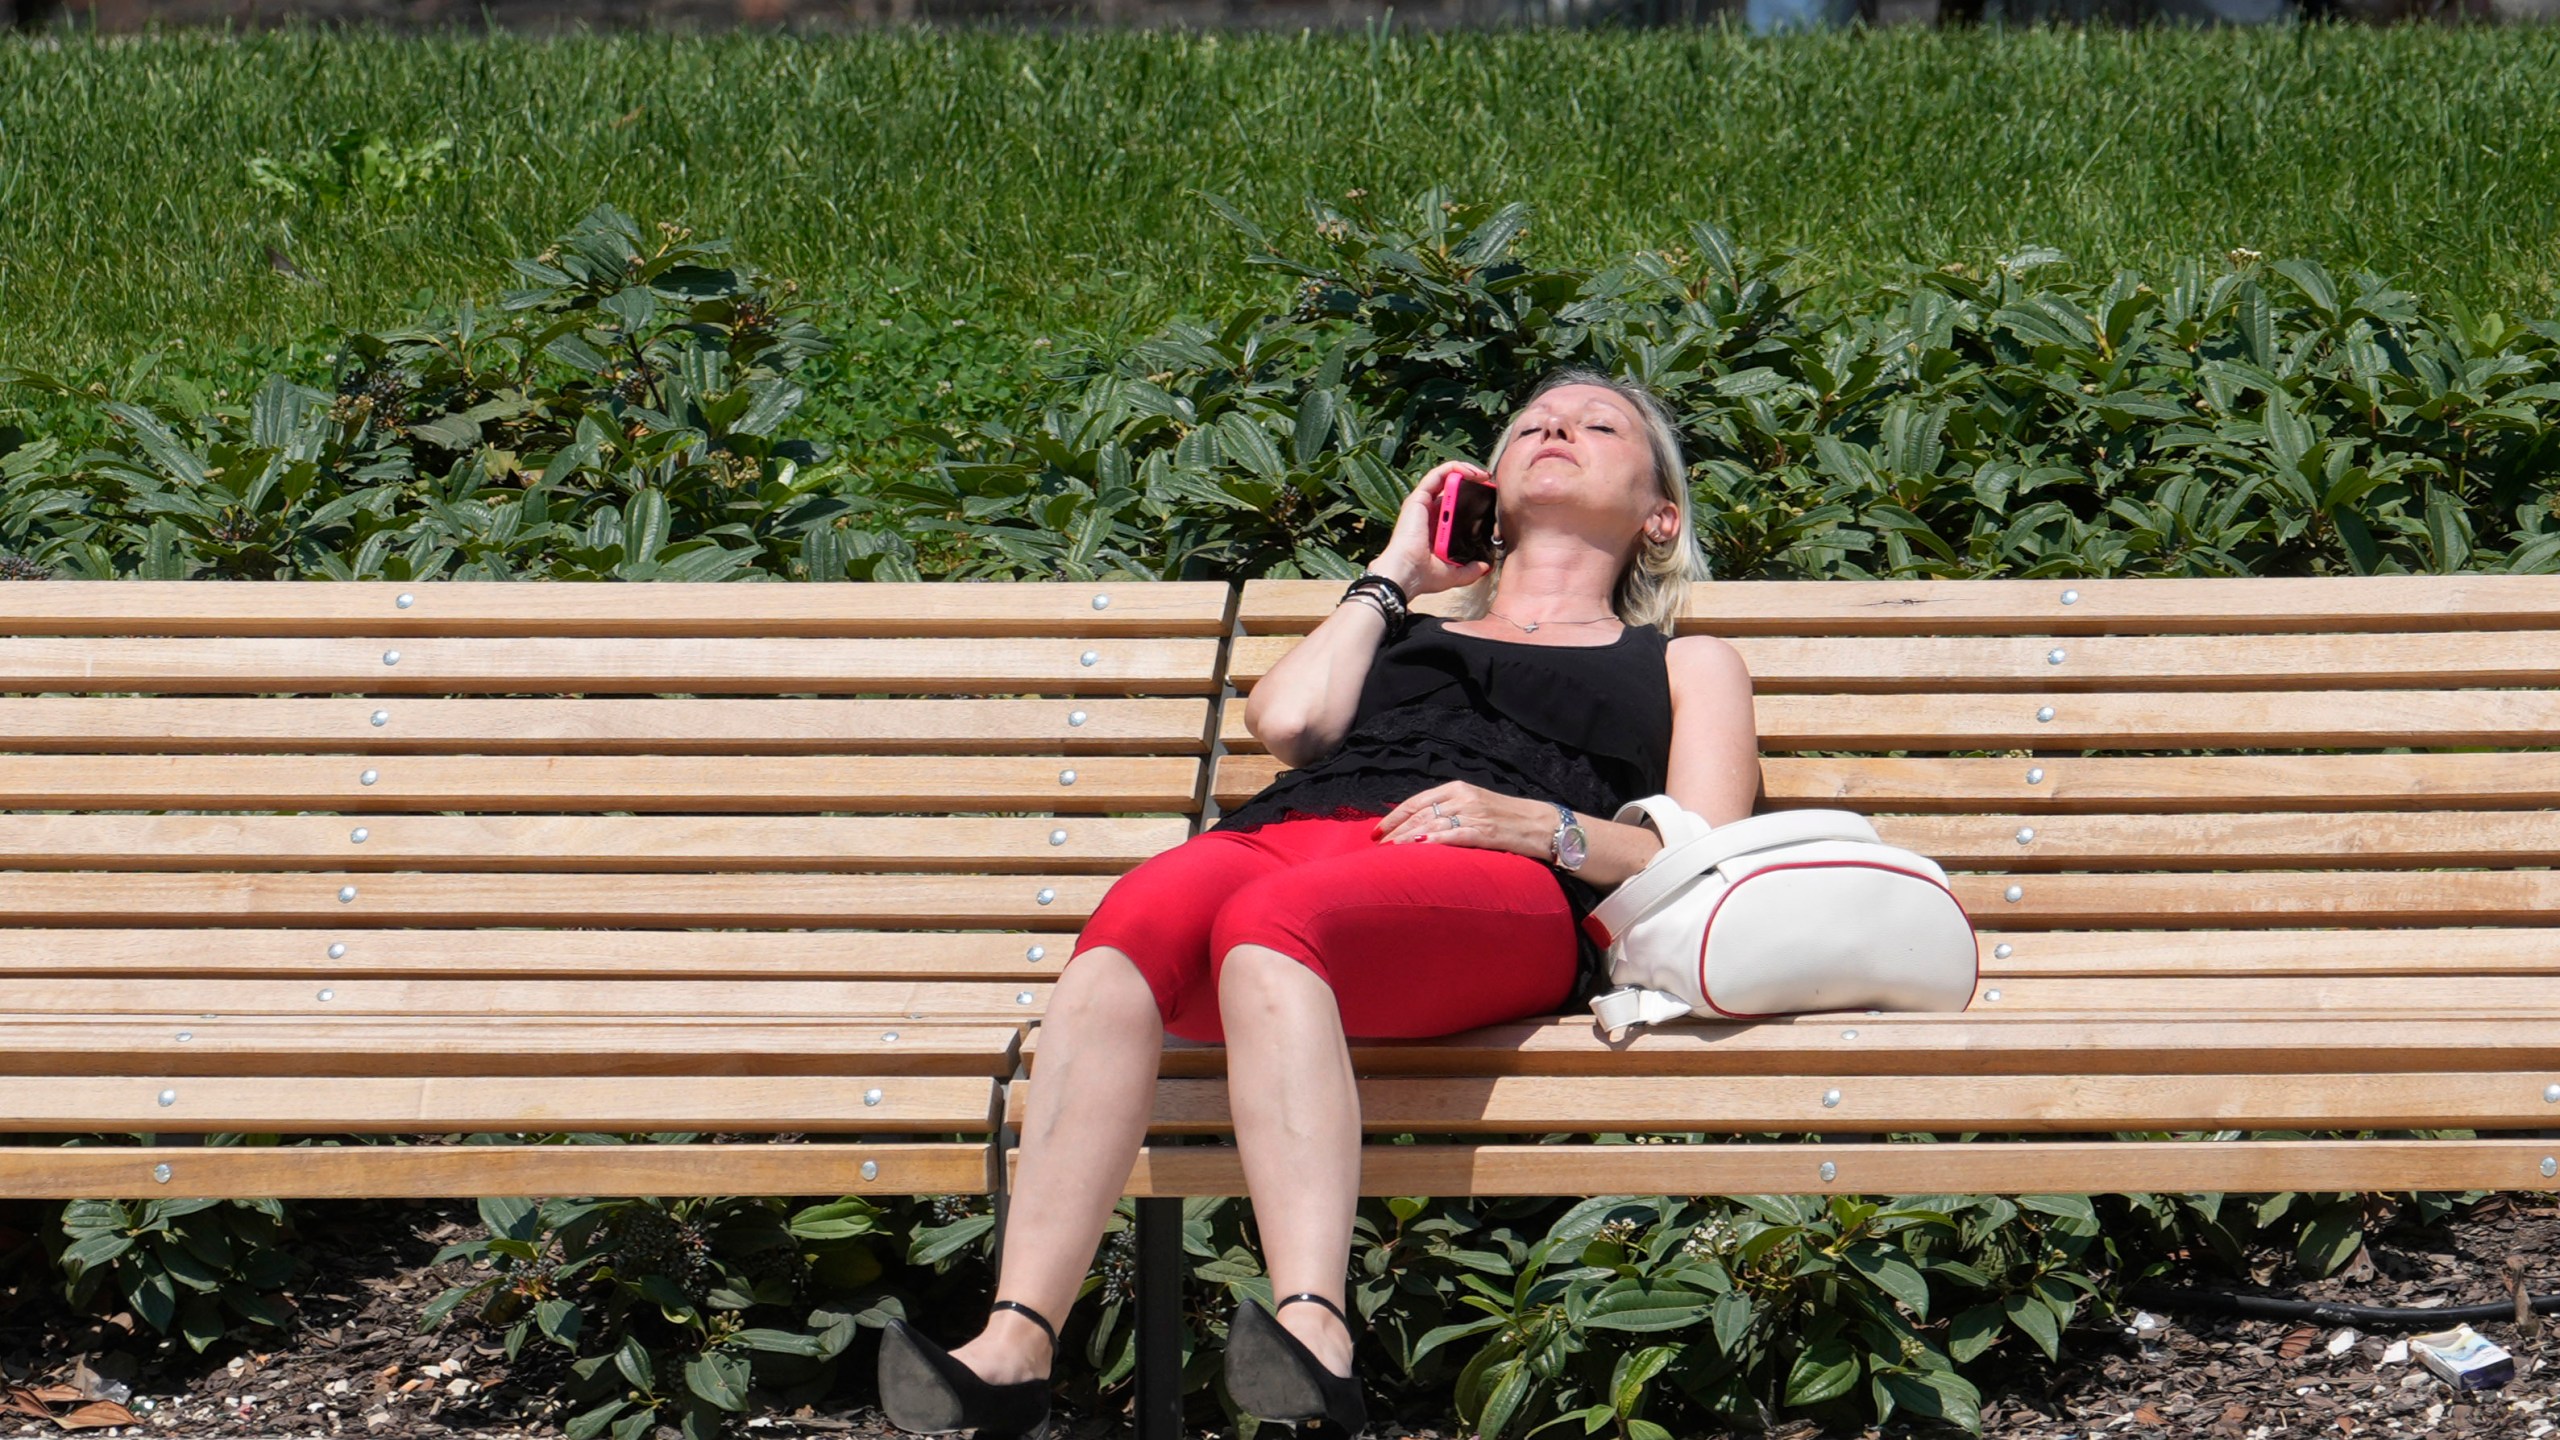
(1272,1375)
(923,1389)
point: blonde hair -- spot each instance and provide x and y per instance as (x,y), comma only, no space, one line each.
(1655,583)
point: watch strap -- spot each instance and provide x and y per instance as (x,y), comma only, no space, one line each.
(1565,820)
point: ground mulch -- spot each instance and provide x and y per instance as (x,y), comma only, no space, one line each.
(353,1362)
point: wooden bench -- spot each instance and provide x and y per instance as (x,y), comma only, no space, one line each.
(812,853)
(816,851)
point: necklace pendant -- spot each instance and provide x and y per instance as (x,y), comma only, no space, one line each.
(1531,627)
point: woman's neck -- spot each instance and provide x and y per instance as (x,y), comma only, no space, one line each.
(1555,578)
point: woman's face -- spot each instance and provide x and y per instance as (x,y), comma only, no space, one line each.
(1577,449)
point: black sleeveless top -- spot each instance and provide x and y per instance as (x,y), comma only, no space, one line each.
(1588,726)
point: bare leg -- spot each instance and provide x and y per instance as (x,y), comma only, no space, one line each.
(1099,1045)
(1297,1120)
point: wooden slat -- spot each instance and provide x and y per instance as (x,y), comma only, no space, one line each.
(600,955)
(2473,897)
(1957,1045)
(163,1104)
(2253,719)
(2147,605)
(1755,1104)
(2272,840)
(748,664)
(539,1171)
(2075,785)
(127,897)
(1083,844)
(2491,781)
(574,1000)
(627,724)
(2419,952)
(223,1044)
(2284,995)
(614,608)
(2014,1168)
(780,783)
(948,900)
(1922,664)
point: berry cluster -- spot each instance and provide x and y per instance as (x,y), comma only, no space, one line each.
(1120,1267)
(646,1240)
(781,1262)
(19,567)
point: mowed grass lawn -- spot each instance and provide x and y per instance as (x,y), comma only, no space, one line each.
(1026,184)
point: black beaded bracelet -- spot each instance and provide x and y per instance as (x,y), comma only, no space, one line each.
(1388,592)
(1372,577)
(1398,618)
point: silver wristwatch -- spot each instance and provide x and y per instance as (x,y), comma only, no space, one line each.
(1569,845)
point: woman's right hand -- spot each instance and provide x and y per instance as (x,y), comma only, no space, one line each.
(1408,560)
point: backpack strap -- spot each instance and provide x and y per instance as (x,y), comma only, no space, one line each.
(1676,865)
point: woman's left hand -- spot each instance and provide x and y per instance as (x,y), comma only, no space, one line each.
(1486,821)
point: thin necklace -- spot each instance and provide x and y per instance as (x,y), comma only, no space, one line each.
(1532,626)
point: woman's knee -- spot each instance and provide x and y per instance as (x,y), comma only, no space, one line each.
(1263,948)
(1102,986)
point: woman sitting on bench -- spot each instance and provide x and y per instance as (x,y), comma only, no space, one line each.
(1425,870)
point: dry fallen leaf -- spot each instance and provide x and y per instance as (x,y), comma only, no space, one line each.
(2145,1415)
(2297,1343)
(96,1415)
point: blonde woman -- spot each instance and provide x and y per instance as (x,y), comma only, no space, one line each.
(1423,869)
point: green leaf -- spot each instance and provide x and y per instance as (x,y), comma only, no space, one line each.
(718,1377)
(2035,1318)
(1733,1314)
(632,1359)
(94,1251)
(646,522)
(560,1320)
(513,1217)
(590,1424)
(837,1220)
(154,1298)
(1824,1371)
(1973,1331)
(1315,427)
(1891,1273)
(2330,1239)
(451,432)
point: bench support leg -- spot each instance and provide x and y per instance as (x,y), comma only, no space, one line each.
(1159,1318)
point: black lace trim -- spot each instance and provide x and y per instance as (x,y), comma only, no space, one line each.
(1390,755)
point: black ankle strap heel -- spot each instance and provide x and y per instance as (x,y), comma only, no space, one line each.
(1311,1295)
(1037,1319)
(1272,1375)
(924,1389)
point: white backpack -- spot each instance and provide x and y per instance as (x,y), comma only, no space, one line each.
(1778,914)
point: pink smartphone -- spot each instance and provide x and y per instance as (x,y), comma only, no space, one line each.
(1462,532)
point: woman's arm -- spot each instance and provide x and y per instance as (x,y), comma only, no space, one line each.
(1303,706)
(1715,731)
(1301,710)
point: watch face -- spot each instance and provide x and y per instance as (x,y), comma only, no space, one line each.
(1571,850)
